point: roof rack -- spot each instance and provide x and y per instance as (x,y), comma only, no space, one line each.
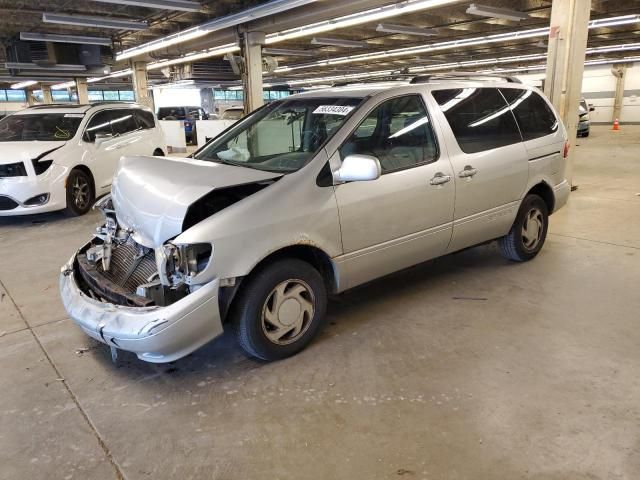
(462,76)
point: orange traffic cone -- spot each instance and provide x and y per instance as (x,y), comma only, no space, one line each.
(616,125)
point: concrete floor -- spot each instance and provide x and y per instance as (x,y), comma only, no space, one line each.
(467,367)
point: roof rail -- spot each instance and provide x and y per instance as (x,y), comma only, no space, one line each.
(462,76)
(112,102)
(54,105)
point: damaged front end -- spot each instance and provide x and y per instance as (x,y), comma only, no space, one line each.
(133,297)
(118,270)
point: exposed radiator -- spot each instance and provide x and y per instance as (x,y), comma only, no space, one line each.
(123,260)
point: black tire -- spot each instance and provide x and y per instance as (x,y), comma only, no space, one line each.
(80,193)
(158,153)
(516,246)
(256,335)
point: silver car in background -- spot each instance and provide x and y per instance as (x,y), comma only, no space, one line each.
(311,196)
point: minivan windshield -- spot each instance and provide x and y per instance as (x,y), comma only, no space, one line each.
(283,136)
(40,126)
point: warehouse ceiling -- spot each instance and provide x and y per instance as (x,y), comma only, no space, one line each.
(303,59)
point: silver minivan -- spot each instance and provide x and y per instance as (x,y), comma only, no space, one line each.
(310,196)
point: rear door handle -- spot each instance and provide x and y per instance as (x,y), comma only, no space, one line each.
(468,172)
(440,179)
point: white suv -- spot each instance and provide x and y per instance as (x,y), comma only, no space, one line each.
(54,157)
(308,196)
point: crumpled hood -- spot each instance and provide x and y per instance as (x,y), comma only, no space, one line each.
(151,195)
(12,152)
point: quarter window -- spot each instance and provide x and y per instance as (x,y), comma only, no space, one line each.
(398,132)
(533,114)
(145,119)
(479,118)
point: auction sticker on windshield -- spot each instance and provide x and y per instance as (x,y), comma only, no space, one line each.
(333,110)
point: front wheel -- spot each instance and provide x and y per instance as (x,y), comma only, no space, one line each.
(529,231)
(80,193)
(280,309)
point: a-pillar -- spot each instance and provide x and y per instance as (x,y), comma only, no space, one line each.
(83,91)
(565,63)
(252,78)
(46,94)
(140,84)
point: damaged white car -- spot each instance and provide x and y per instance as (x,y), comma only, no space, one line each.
(308,196)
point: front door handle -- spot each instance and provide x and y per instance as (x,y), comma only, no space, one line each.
(440,179)
(468,172)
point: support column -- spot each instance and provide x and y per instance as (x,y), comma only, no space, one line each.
(252,77)
(620,72)
(140,85)
(31,101)
(46,94)
(83,90)
(565,63)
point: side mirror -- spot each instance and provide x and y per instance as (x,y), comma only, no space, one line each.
(102,137)
(591,108)
(358,168)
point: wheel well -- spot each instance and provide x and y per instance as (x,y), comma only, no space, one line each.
(85,169)
(544,191)
(158,152)
(312,255)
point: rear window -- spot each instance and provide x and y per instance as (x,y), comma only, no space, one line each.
(534,116)
(480,118)
(171,113)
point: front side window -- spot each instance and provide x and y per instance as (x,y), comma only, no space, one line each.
(42,127)
(397,132)
(283,136)
(110,122)
(534,116)
(480,118)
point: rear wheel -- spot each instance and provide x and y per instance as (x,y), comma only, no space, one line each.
(280,309)
(529,231)
(158,153)
(80,193)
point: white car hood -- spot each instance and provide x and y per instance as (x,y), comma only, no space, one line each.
(151,195)
(12,152)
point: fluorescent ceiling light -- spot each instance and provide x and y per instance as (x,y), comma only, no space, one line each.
(93,22)
(493,12)
(180,5)
(36,66)
(50,37)
(62,86)
(371,15)
(288,52)
(453,44)
(119,73)
(217,51)
(614,21)
(389,28)
(338,42)
(270,8)
(474,63)
(24,84)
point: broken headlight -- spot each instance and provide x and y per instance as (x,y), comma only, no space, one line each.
(178,264)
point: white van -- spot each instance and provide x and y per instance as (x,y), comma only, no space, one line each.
(312,195)
(55,157)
